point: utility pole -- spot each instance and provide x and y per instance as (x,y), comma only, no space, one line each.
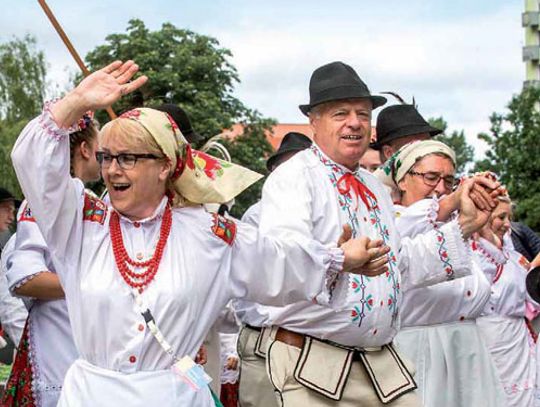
(530,20)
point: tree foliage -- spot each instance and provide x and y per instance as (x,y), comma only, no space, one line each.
(514,149)
(22,79)
(193,71)
(457,141)
(22,91)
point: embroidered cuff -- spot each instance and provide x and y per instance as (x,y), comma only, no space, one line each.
(334,277)
(454,250)
(433,210)
(47,123)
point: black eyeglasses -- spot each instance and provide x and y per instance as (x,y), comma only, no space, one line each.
(126,161)
(432,179)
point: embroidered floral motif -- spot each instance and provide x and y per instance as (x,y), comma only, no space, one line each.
(94,210)
(499,266)
(224,228)
(26,215)
(132,114)
(18,391)
(212,167)
(343,183)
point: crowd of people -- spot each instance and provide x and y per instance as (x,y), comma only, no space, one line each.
(368,274)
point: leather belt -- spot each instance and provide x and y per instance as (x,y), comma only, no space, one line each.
(290,338)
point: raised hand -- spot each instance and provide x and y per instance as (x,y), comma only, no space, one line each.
(100,89)
(365,256)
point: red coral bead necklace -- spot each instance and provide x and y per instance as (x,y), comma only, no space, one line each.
(139,280)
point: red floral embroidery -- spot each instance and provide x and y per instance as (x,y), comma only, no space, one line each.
(94,210)
(18,392)
(224,228)
(26,215)
(174,126)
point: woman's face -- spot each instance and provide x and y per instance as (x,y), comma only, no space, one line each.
(415,187)
(135,192)
(500,219)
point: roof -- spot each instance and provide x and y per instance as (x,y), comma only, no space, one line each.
(279,131)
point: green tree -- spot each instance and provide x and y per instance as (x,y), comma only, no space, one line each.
(193,71)
(456,140)
(514,148)
(22,91)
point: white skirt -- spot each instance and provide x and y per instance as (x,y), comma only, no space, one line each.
(87,385)
(514,353)
(453,365)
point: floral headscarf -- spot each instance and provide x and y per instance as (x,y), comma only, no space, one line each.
(406,157)
(197,176)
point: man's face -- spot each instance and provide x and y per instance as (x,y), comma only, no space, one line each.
(370,160)
(7,215)
(342,130)
(394,145)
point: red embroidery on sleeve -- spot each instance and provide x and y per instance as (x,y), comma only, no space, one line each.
(26,215)
(94,210)
(224,228)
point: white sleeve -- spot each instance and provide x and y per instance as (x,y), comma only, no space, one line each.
(13,313)
(417,218)
(286,271)
(41,161)
(434,257)
(30,255)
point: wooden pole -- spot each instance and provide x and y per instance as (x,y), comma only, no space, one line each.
(69,46)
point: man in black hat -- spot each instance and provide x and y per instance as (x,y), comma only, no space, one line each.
(255,389)
(398,125)
(342,357)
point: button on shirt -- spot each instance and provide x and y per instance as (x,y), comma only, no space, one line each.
(307,196)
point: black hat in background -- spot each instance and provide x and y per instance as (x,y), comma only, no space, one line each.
(398,121)
(292,142)
(533,283)
(6,196)
(181,118)
(337,81)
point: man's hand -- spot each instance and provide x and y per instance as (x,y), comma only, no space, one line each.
(363,255)
(98,90)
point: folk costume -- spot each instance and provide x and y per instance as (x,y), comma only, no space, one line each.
(51,349)
(439,333)
(311,195)
(200,262)
(503,324)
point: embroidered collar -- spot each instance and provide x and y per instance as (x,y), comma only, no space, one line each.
(156,215)
(328,162)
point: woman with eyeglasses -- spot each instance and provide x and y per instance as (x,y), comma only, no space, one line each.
(146,277)
(504,323)
(439,334)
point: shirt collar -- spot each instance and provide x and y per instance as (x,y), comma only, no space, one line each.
(325,160)
(156,215)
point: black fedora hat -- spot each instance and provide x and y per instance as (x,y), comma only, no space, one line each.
(337,81)
(398,121)
(292,142)
(533,283)
(6,196)
(181,118)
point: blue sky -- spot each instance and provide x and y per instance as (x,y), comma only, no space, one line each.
(460,59)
